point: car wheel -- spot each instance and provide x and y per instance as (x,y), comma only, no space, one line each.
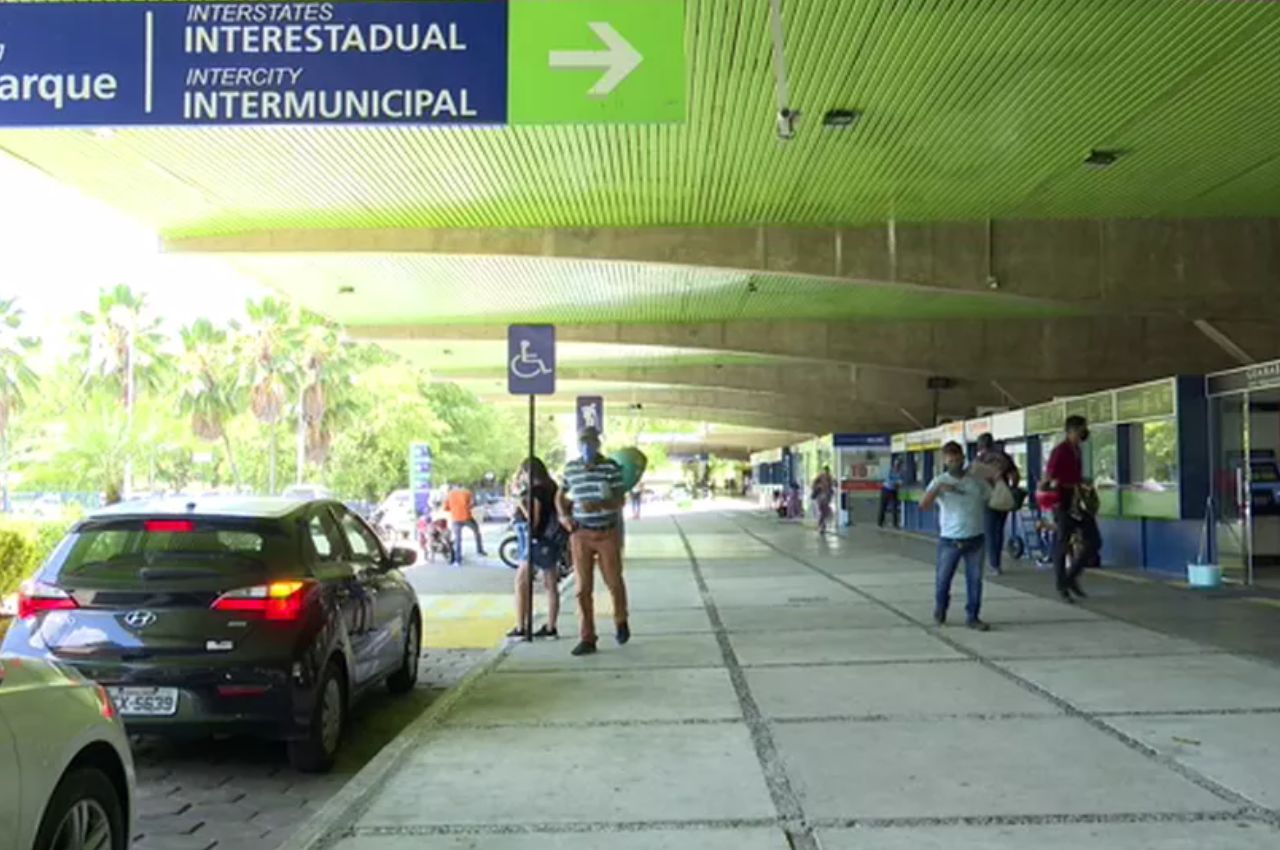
(84,813)
(509,551)
(316,752)
(403,680)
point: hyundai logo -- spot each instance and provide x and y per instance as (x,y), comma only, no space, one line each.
(139,619)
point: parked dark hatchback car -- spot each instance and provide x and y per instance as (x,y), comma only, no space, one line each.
(228,615)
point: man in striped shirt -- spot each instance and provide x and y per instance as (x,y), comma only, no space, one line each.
(590,505)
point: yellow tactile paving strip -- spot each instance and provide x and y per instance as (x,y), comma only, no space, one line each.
(482,620)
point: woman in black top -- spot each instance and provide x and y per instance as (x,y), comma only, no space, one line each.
(540,548)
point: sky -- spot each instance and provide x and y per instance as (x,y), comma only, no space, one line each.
(58,248)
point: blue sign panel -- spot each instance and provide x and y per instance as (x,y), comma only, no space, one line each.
(531,359)
(590,412)
(191,64)
(871,441)
(420,476)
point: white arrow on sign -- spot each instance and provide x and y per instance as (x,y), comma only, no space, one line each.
(617,62)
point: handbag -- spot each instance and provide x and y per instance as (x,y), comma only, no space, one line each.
(1002,498)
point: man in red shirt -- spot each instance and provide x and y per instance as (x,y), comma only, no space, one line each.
(1065,475)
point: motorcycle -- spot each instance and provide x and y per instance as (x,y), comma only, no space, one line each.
(509,551)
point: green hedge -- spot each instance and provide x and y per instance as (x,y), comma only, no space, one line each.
(23,548)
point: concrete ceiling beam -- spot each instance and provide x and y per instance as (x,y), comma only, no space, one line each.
(1216,269)
(819,408)
(1093,351)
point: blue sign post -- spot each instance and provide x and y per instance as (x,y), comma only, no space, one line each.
(531,360)
(531,371)
(590,412)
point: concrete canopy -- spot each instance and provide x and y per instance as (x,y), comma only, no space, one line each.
(953,231)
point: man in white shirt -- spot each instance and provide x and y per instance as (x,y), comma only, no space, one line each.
(962,503)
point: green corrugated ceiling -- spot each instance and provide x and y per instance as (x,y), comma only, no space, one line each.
(374,289)
(972,108)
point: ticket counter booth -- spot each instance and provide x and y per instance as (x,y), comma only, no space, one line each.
(1244,436)
(861,463)
(921,455)
(1148,453)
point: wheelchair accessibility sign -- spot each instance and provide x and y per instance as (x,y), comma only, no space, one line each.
(531,359)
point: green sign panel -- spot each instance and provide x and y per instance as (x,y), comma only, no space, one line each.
(1046,418)
(596,61)
(1150,401)
(1099,408)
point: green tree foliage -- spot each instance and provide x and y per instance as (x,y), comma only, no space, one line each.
(209,388)
(16,380)
(215,421)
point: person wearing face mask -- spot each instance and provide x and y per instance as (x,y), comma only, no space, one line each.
(590,505)
(1064,475)
(961,498)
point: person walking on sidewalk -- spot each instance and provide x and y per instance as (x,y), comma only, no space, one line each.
(1000,468)
(962,501)
(824,487)
(889,493)
(1064,476)
(539,547)
(590,504)
(459,505)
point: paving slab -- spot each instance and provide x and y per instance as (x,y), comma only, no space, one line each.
(1221,835)
(890,690)
(1158,684)
(1065,640)
(687,650)
(963,768)
(613,775)
(643,595)
(665,839)
(793,590)
(901,643)
(1241,752)
(900,593)
(565,697)
(752,568)
(646,622)
(848,615)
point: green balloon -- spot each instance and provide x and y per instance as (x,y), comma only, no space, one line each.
(633,463)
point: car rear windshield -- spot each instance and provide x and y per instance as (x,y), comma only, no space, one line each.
(175,546)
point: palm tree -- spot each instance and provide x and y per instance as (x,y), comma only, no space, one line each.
(264,345)
(16,377)
(210,392)
(323,381)
(120,346)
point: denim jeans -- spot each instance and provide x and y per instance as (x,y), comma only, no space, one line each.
(457,539)
(996,521)
(949,554)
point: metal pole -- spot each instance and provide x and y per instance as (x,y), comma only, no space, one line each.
(528,624)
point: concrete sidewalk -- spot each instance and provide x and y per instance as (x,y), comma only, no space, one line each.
(788,691)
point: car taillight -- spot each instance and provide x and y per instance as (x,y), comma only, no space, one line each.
(105,706)
(37,597)
(168,526)
(280,600)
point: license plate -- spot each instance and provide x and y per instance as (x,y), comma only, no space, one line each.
(145,702)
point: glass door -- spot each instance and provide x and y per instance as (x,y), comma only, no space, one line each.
(1233,525)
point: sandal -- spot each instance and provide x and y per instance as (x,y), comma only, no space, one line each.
(544,632)
(517,632)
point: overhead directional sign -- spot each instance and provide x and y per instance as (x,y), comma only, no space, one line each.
(531,360)
(430,62)
(588,61)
